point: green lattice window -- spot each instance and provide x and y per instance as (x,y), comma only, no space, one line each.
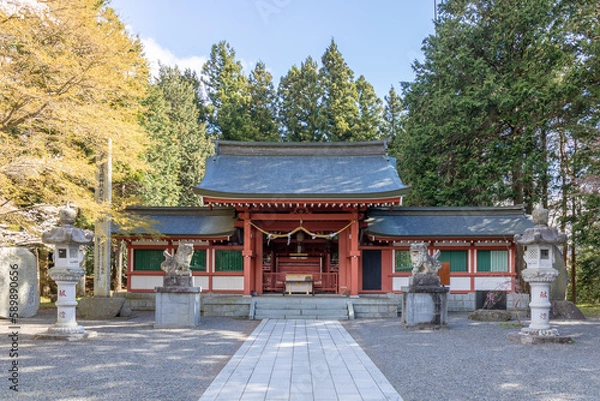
(147,259)
(198,262)
(403,263)
(228,261)
(492,261)
(458,260)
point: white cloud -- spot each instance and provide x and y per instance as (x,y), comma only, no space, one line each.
(155,53)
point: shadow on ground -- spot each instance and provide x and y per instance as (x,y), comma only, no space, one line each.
(128,360)
(475,361)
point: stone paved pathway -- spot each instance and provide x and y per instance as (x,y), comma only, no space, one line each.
(300,360)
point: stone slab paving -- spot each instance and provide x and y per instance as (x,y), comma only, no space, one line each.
(300,360)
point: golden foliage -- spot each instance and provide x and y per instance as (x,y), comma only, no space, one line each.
(70,77)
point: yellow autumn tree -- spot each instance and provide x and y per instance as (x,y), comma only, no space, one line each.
(70,78)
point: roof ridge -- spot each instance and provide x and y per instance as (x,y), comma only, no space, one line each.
(236,148)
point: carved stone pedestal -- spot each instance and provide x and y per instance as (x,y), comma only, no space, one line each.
(425,307)
(66,327)
(177,306)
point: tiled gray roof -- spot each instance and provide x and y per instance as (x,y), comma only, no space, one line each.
(445,222)
(303,170)
(192,221)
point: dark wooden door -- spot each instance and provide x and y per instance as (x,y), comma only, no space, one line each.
(371,270)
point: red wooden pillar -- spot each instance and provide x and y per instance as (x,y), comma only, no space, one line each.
(258,262)
(343,263)
(247,254)
(354,256)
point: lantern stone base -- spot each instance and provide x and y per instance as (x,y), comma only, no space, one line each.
(425,307)
(534,336)
(177,307)
(65,334)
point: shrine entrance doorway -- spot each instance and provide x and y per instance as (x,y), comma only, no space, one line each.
(314,261)
(371,270)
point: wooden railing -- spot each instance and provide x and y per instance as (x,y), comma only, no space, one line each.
(322,282)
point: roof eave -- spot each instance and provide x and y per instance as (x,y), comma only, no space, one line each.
(301,197)
(440,236)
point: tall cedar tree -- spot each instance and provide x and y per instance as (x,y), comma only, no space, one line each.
(480,107)
(300,94)
(370,109)
(580,144)
(71,77)
(180,145)
(263,106)
(226,106)
(160,185)
(392,125)
(192,144)
(340,97)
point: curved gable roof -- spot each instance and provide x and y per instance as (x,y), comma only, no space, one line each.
(200,222)
(339,170)
(447,222)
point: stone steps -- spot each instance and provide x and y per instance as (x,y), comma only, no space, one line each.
(376,307)
(282,307)
(301,308)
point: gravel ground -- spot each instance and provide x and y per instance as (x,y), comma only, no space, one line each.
(475,361)
(130,360)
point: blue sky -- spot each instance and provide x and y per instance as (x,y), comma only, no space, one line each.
(378,39)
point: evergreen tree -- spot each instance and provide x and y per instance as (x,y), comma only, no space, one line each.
(392,124)
(192,146)
(340,97)
(370,119)
(160,186)
(579,145)
(263,107)
(299,107)
(481,105)
(227,102)
(392,115)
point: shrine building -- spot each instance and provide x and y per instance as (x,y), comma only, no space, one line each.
(328,214)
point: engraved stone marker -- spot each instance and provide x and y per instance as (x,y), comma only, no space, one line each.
(18,283)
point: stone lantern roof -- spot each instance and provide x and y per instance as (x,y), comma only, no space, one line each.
(541,233)
(66,233)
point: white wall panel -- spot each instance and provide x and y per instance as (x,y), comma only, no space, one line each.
(399,282)
(202,282)
(145,282)
(460,283)
(231,283)
(492,283)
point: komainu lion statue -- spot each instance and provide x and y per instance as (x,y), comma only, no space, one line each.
(422,262)
(179,263)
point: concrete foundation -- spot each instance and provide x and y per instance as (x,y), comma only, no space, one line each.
(366,306)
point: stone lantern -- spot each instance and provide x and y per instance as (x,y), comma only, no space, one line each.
(540,253)
(68,242)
